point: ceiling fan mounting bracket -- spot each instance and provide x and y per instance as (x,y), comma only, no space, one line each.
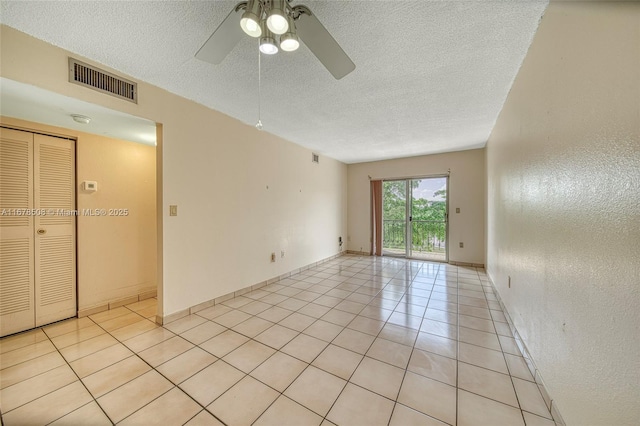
(300,9)
(240,6)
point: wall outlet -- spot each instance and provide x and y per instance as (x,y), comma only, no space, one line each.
(461,245)
(457,209)
(273,257)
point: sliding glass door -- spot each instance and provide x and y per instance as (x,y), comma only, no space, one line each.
(428,218)
(415,218)
(394,217)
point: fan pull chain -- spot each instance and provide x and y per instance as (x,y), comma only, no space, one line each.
(259,123)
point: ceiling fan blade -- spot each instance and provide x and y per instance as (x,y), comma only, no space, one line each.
(224,38)
(323,45)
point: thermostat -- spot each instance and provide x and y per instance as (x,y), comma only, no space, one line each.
(90,185)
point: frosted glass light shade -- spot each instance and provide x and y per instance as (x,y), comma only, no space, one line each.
(268,46)
(289,42)
(277,18)
(250,21)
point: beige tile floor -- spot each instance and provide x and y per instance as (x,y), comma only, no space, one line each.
(355,341)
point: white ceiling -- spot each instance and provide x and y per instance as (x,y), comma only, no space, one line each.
(431,76)
(32,103)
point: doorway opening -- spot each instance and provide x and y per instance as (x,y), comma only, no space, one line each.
(117,177)
(415,218)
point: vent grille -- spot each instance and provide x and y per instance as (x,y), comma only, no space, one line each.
(102,81)
(315,158)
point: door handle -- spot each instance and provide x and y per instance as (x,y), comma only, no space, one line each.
(42,231)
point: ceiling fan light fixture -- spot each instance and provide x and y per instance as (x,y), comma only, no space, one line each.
(268,44)
(289,42)
(277,17)
(250,21)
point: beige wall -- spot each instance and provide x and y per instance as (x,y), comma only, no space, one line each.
(216,170)
(466,191)
(116,254)
(563,168)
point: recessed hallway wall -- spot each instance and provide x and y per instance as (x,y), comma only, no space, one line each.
(116,254)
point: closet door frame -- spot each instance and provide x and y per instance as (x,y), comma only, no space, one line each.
(44,234)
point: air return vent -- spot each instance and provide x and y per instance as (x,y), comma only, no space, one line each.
(315,158)
(102,81)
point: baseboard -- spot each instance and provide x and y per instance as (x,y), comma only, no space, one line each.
(208,303)
(451,262)
(162,320)
(358,253)
(112,304)
(549,401)
(469,264)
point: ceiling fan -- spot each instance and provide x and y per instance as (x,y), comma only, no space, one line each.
(266,19)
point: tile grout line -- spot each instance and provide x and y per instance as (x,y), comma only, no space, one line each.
(80,380)
(377,336)
(513,386)
(252,339)
(412,349)
(154,369)
(165,377)
(400,273)
(359,363)
(308,364)
(78,377)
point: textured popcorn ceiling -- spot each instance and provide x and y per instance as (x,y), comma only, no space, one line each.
(431,76)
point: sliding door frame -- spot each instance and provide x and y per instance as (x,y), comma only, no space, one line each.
(408,214)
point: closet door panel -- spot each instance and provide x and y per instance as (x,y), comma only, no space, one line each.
(17,307)
(55,263)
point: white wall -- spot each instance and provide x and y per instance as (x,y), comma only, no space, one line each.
(466,191)
(216,170)
(229,223)
(563,175)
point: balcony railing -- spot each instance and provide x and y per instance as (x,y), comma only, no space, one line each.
(394,233)
(428,236)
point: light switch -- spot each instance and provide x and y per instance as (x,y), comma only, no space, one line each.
(457,209)
(173,210)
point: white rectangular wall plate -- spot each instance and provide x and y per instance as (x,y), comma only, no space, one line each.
(90,186)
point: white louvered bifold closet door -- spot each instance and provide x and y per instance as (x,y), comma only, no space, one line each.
(17,292)
(55,266)
(37,238)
